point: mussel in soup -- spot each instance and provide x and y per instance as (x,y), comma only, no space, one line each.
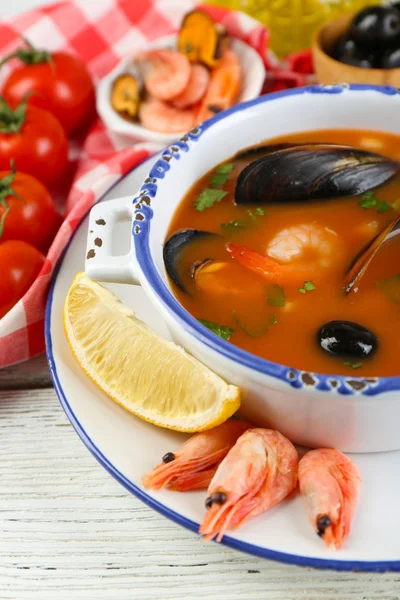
(312,172)
(173,253)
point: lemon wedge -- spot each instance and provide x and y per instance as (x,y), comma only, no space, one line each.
(149,376)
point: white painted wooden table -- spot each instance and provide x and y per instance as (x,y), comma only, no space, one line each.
(69,531)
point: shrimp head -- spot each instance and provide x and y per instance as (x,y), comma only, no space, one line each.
(329,483)
(257,473)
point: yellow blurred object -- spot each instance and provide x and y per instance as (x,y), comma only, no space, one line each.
(292,23)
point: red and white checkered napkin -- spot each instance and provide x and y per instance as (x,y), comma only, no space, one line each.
(101,32)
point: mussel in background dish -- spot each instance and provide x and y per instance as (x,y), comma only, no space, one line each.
(125,95)
(312,172)
(174,249)
(346,339)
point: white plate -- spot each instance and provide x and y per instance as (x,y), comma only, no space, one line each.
(128,447)
(253,75)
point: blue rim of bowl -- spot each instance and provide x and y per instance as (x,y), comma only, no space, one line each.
(343,384)
(283,557)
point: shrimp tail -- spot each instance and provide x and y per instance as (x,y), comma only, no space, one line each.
(184,475)
(250,259)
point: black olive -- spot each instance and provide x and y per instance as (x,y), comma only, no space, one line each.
(346,339)
(348,52)
(375,26)
(391,59)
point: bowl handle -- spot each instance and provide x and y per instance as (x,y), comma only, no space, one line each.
(100,263)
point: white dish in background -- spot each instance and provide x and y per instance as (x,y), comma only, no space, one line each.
(127,447)
(253,75)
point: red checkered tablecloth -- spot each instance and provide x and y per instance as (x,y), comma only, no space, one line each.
(101,32)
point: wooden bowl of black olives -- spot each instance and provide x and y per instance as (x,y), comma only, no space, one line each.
(360,48)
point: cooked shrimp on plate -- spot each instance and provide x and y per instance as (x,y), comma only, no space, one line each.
(257,473)
(329,483)
(193,466)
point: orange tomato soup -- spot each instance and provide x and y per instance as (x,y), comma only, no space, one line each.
(279,320)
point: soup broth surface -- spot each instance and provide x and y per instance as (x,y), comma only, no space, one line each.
(279,320)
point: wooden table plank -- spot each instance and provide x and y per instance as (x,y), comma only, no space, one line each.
(26,375)
(69,531)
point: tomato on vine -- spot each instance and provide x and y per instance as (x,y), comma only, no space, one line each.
(59,82)
(27,210)
(20,264)
(34,139)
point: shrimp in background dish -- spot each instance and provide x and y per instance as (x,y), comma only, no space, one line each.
(195,89)
(159,116)
(257,473)
(329,483)
(297,253)
(193,466)
(223,88)
(165,72)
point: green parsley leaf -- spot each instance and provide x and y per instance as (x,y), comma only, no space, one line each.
(208,197)
(218,180)
(252,216)
(382,206)
(274,320)
(252,334)
(309,286)
(369,200)
(220,176)
(224,169)
(234,225)
(353,365)
(222,331)
(260,211)
(275,295)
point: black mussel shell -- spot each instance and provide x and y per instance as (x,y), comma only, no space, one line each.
(391,58)
(363,259)
(312,172)
(173,249)
(376,26)
(346,339)
(349,53)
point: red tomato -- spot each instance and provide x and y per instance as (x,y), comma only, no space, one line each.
(60,83)
(35,140)
(20,264)
(27,210)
